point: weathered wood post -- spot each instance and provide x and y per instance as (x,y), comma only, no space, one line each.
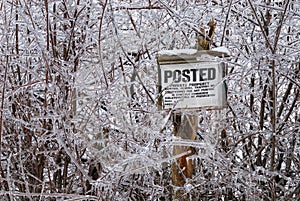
(185,127)
(185,124)
(189,79)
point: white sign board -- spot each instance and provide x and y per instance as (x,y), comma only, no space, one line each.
(192,85)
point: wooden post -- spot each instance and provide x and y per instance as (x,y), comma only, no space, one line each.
(177,75)
(185,127)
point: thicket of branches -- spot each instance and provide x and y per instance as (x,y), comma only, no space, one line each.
(78,115)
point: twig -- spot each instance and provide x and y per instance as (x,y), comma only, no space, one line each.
(261,27)
(1,119)
(224,29)
(243,16)
(280,26)
(137,8)
(287,116)
(124,77)
(144,87)
(47,24)
(99,42)
(190,24)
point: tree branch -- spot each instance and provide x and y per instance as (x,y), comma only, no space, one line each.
(261,27)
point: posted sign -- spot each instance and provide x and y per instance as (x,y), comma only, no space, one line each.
(192,85)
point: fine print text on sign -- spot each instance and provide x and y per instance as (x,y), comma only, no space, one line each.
(193,85)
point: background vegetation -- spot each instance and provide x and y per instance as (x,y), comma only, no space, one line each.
(78,115)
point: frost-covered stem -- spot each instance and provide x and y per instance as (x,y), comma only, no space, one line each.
(261,26)
(65,173)
(53,33)
(273,98)
(1,120)
(261,124)
(284,99)
(273,116)
(279,28)
(251,106)
(2,101)
(47,25)
(226,21)
(9,185)
(293,105)
(124,76)
(99,42)
(273,95)
(144,87)
(17,42)
(23,174)
(273,108)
